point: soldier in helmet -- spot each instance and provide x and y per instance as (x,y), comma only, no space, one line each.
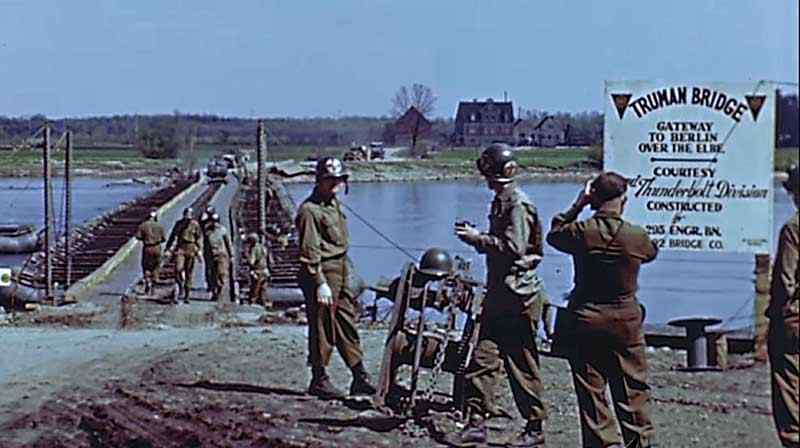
(784,319)
(219,245)
(609,352)
(513,249)
(257,263)
(151,234)
(332,313)
(208,259)
(188,239)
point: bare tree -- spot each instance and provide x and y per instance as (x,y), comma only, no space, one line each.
(419,96)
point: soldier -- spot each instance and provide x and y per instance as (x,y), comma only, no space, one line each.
(610,347)
(151,234)
(513,248)
(332,313)
(208,259)
(258,264)
(784,320)
(189,239)
(219,245)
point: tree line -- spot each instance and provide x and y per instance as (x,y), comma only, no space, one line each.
(140,130)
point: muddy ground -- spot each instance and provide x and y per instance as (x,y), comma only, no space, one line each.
(203,375)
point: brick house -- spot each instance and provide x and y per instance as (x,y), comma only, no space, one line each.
(480,123)
(412,125)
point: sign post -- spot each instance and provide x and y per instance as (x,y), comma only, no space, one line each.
(699,157)
(700,161)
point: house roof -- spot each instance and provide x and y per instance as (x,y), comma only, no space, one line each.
(410,120)
(467,108)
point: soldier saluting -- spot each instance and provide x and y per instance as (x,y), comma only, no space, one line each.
(188,238)
(609,350)
(513,249)
(332,315)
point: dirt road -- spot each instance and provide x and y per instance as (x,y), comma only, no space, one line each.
(223,385)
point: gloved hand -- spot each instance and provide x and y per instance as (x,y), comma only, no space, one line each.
(324,295)
(466,233)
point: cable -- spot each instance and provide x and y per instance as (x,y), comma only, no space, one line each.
(379,233)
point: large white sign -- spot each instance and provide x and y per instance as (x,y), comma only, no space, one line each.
(699,158)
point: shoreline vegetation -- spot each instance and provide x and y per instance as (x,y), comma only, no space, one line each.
(545,164)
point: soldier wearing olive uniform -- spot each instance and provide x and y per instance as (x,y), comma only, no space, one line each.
(513,249)
(323,277)
(609,350)
(208,259)
(784,319)
(258,265)
(220,247)
(151,234)
(188,238)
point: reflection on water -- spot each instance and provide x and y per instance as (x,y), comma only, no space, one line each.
(420,215)
(21,202)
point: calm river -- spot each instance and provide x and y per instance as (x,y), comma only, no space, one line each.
(420,215)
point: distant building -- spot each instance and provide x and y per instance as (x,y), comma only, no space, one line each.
(408,127)
(547,132)
(479,123)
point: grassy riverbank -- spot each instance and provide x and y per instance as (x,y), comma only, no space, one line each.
(440,165)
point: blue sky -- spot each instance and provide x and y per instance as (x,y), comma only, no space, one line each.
(328,58)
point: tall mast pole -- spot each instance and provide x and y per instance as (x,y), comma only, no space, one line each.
(261,149)
(68,206)
(48,230)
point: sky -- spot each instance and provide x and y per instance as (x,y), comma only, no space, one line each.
(294,58)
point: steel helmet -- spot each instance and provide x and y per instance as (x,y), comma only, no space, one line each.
(497,163)
(252,236)
(436,262)
(331,167)
(792,184)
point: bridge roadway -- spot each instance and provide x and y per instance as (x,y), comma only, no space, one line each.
(126,275)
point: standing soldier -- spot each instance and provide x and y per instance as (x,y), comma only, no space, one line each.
(219,245)
(513,248)
(332,314)
(189,239)
(258,265)
(609,347)
(784,320)
(208,259)
(151,234)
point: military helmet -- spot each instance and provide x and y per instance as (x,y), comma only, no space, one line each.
(436,262)
(792,184)
(497,163)
(153,213)
(331,167)
(253,237)
(188,212)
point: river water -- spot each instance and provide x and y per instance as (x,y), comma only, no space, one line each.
(420,215)
(21,202)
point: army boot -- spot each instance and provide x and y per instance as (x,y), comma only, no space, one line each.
(322,387)
(473,435)
(361,384)
(531,437)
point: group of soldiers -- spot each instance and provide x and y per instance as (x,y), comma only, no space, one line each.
(207,241)
(607,344)
(606,347)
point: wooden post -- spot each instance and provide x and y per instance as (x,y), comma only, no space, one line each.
(68,212)
(760,304)
(261,149)
(48,230)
